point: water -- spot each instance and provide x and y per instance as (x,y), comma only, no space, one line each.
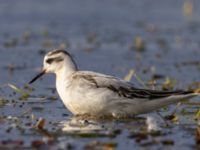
(100,35)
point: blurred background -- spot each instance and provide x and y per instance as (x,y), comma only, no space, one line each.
(159,40)
(105,36)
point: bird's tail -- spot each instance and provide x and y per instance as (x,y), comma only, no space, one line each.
(162,102)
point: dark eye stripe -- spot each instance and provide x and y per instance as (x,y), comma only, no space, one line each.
(50,60)
(57,59)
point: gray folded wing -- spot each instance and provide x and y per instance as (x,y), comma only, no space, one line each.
(122,88)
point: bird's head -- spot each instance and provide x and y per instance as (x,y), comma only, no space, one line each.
(56,60)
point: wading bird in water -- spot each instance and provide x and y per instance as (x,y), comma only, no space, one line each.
(96,94)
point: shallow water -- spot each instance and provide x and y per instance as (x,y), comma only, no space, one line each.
(100,35)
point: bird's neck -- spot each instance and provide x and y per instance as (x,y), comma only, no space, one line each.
(63,80)
(66,71)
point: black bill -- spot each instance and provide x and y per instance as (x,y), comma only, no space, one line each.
(38,76)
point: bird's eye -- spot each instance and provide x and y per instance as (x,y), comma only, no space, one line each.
(50,60)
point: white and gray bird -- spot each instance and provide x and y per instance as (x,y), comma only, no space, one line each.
(96,94)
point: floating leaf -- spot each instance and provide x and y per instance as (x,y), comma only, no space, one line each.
(167,142)
(40,124)
(197,90)
(32,116)
(17,89)
(91,135)
(169,84)
(188,8)
(109,145)
(198,134)
(129,76)
(37,143)
(101,145)
(63,45)
(139,79)
(197,115)
(173,118)
(138,44)
(40,128)
(139,136)
(3,102)
(48,43)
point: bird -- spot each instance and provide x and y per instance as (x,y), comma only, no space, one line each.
(96,94)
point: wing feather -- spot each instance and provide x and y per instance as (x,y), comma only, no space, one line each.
(123,88)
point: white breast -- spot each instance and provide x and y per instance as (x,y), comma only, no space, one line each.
(64,93)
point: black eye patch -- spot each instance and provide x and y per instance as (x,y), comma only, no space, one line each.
(57,59)
(50,60)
